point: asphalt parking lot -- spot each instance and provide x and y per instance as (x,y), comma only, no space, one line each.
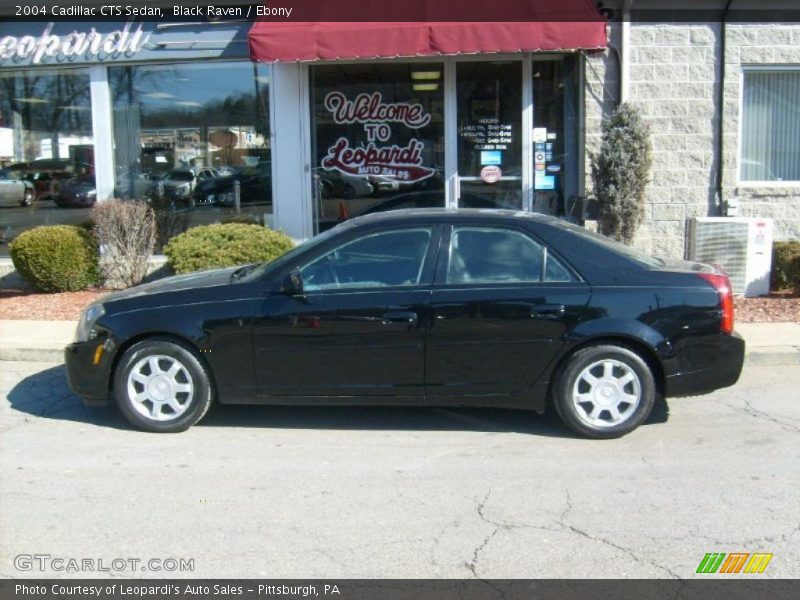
(354,492)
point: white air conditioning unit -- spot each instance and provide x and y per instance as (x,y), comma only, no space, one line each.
(742,247)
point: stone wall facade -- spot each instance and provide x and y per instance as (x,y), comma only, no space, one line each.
(675,73)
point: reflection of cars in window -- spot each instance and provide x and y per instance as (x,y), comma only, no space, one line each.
(77,192)
(179,184)
(335,184)
(14,190)
(46,175)
(207,173)
(255,186)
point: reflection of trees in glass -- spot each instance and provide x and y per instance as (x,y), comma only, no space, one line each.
(48,106)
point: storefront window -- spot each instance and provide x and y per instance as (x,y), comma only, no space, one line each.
(378,139)
(490,134)
(193,139)
(555,136)
(46,145)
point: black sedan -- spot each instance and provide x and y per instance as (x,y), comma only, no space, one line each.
(77,192)
(419,307)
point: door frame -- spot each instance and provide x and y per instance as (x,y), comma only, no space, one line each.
(452,182)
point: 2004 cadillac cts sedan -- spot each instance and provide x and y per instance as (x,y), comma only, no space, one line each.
(424,307)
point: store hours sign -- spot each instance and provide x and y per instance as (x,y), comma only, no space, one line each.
(377,156)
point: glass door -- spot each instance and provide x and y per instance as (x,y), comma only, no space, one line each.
(489,109)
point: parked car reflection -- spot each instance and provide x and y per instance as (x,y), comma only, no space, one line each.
(14,190)
(77,192)
(255,186)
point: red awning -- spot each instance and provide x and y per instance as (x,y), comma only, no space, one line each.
(542,25)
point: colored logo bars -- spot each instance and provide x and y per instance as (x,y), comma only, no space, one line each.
(736,562)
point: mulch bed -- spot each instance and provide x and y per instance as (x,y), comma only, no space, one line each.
(777,307)
(26,304)
(22,304)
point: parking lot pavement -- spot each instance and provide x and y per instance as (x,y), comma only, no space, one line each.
(357,492)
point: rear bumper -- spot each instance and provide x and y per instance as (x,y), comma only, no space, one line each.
(87,380)
(718,363)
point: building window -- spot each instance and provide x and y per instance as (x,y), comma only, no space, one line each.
(770,142)
(46,149)
(378,139)
(194,140)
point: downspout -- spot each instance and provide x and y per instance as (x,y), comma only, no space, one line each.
(625,54)
(721,105)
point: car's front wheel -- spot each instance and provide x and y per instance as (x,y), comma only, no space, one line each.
(162,386)
(604,391)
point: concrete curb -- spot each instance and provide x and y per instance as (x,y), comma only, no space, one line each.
(32,354)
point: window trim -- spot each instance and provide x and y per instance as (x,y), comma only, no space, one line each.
(446,248)
(745,183)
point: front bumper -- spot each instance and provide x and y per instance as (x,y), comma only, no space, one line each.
(87,380)
(713,363)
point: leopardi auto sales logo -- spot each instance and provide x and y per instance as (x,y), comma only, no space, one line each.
(403,163)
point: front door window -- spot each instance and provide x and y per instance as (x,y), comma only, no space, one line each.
(394,258)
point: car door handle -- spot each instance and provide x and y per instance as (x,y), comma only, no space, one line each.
(547,311)
(400,316)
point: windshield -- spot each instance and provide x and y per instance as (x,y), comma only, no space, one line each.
(179,176)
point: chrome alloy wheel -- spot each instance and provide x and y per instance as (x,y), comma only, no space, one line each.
(160,387)
(606,393)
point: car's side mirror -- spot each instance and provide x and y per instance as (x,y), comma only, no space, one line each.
(293,283)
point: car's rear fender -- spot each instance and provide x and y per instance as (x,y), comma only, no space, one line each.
(651,345)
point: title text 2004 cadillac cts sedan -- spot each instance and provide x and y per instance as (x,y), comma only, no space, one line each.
(419,307)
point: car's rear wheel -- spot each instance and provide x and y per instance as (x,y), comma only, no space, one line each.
(162,386)
(604,391)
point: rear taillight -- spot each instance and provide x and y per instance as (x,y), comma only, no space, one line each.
(722,284)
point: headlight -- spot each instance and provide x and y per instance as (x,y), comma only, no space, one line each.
(91,193)
(85,332)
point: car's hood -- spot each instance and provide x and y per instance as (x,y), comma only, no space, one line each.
(201,279)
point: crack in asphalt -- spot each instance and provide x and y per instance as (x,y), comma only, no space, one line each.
(630,552)
(498,526)
(562,525)
(751,411)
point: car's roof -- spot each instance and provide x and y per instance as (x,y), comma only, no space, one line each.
(446,214)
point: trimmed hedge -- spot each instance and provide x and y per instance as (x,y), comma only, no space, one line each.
(786,266)
(56,258)
(224,245)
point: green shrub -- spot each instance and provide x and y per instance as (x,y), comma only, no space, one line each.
(621,172)
(246,219)
(56,258)
(225,245)
(786,266)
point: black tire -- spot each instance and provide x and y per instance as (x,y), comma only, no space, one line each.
(194,373)
(27,198)
(577,415)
